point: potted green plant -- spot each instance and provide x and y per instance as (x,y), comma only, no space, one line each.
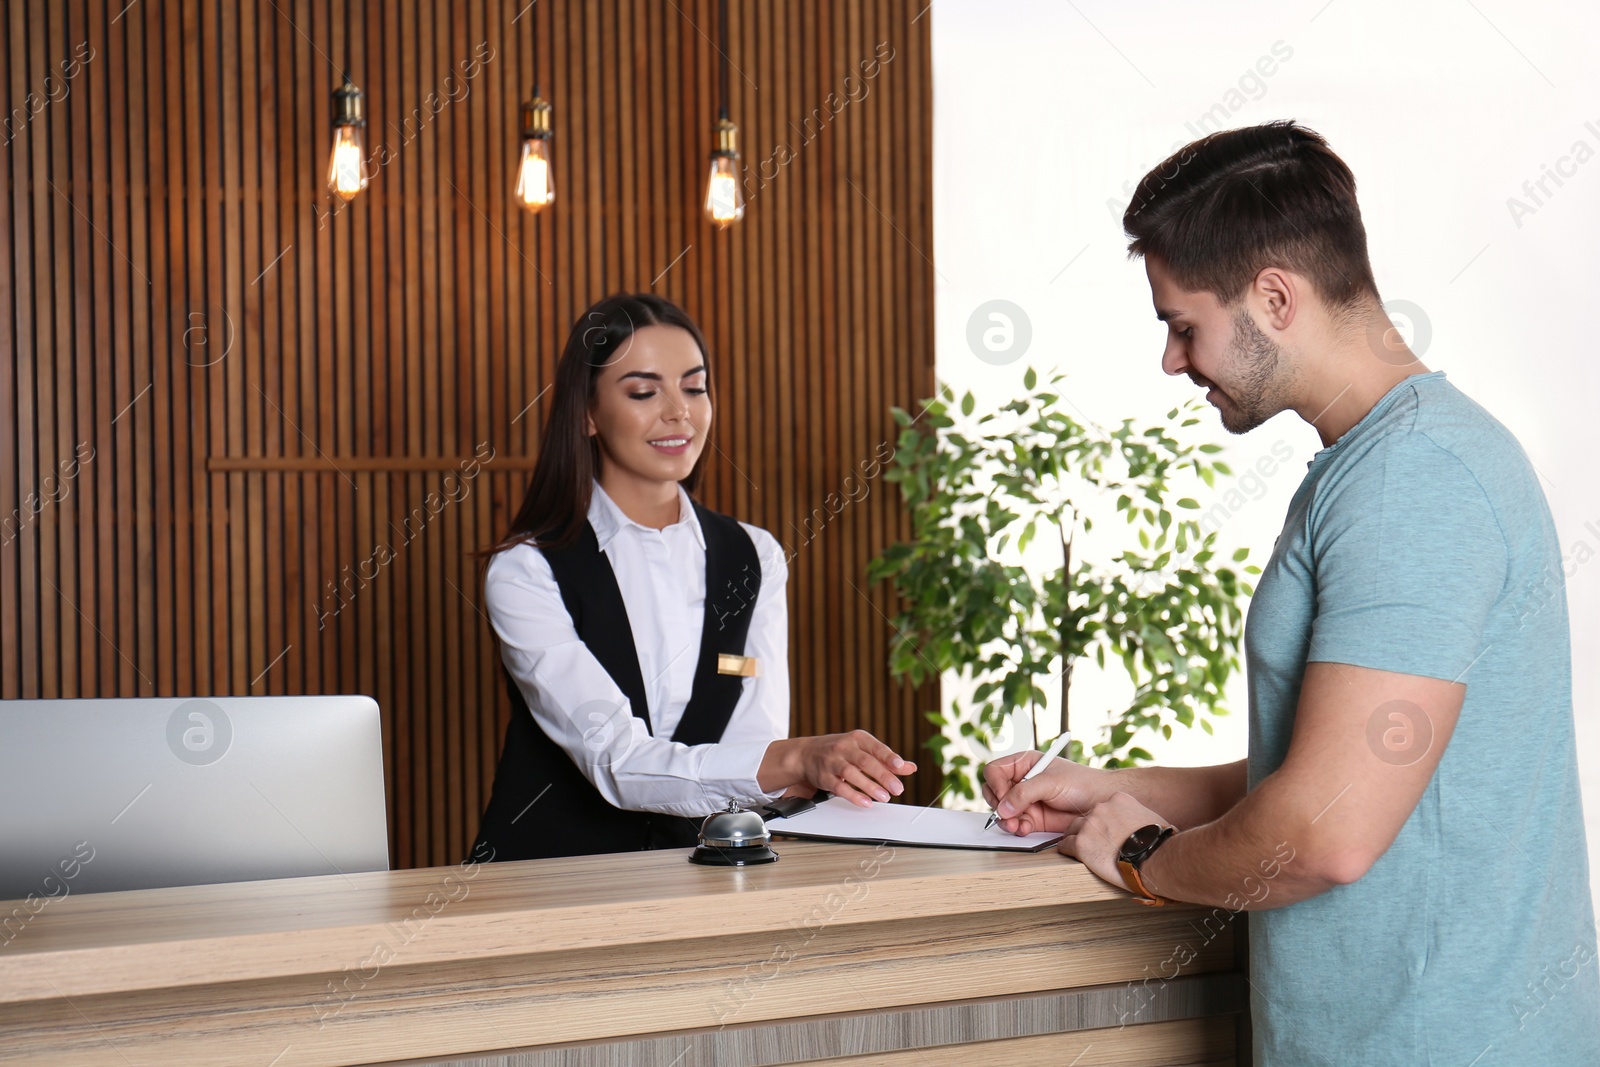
(1161,608)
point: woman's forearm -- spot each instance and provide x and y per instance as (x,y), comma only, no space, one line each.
(853,765)
(780,765)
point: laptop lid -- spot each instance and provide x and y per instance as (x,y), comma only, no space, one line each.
(108,794)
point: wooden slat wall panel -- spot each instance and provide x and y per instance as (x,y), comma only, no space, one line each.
(223,391)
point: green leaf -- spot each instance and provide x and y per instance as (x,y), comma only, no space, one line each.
(1189,502)
(1030,380)
(1241,555)
(968,404)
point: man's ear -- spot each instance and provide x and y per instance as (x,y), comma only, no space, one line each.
(588,424)
(1276,295)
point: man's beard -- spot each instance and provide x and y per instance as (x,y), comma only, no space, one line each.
(1253,398)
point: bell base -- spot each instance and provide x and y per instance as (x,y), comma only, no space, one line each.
(744,856)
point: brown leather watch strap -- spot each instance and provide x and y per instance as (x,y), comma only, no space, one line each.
(1130,876)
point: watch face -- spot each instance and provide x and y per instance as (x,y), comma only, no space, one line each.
(1139,842)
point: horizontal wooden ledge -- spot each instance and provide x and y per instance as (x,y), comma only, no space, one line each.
(344,464)
(385,1007)
(1195,1005)
(144,939)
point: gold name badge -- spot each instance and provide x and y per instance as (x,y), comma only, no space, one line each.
(743,666)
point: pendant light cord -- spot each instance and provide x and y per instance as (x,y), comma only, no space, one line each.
(722,34)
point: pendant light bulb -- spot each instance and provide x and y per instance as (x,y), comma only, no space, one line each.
(535,185)
(724,201)
(347,165)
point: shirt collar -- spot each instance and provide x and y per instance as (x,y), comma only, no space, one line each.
(608,520)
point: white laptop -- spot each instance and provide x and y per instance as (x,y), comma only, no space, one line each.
(113,794)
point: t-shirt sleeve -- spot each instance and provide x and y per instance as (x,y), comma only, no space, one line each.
(1410,560)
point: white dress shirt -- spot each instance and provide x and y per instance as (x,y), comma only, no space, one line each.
(662,577)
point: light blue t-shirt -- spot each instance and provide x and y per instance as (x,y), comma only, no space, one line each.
(1420,542)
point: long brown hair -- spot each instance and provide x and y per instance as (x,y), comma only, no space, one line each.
(557,503)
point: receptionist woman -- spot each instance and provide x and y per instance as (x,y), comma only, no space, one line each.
(644,636)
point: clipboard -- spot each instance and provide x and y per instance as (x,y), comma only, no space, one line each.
(837,819)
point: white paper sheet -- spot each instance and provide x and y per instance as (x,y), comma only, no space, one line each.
(905,824)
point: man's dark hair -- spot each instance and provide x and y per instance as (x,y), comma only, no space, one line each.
(1221,208)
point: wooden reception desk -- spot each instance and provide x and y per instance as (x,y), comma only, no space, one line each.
(838,953)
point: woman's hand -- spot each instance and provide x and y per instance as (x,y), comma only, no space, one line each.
(1052,801)
(855,765)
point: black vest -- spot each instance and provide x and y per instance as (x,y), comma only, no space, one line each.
(542,804)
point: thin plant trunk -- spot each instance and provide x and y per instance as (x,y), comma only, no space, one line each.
(1066,595)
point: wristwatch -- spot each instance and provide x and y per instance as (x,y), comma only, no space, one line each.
(1139,846)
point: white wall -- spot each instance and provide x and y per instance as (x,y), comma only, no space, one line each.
(1046,111)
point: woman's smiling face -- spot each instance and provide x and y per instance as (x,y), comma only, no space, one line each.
(651,409)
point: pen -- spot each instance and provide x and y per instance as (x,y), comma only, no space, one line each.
(1057,746)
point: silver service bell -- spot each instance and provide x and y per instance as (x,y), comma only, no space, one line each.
(734,838)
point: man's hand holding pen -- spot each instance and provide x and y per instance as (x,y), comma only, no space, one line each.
(1081,802)
(1034,768)
(1049,801)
